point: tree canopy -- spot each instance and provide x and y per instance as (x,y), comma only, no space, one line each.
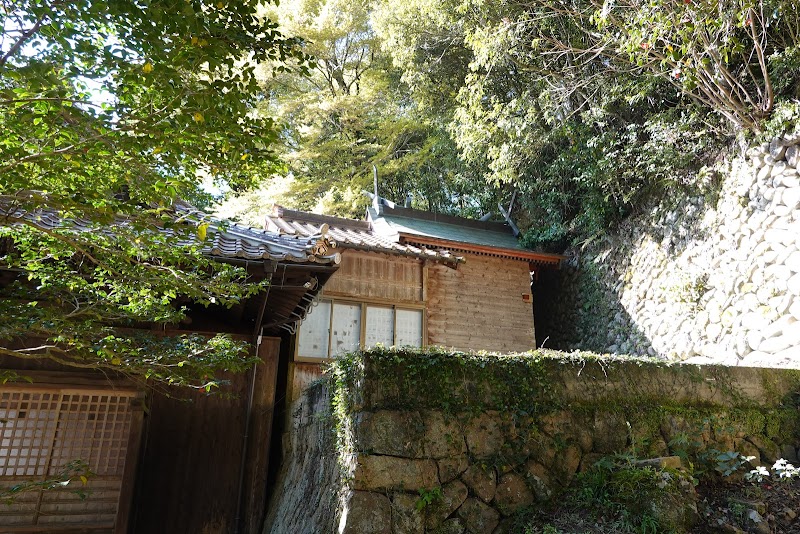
(110,112)
(583,107)
(351,112)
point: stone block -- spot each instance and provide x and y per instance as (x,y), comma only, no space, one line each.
(453,496)
(792,262)
(668,462)
(777,150)
(513,494)
(540,480)
(676,510)
(610,433)
(407,518)
(781,326)
(389,432)
(767,448)
(777,236)
(566,464)
(452,526)
(791,155)
(794,308)
(482,480)
(745,448)
(788,357)
(485,435)
(791,198)
(764,174)
(367,513)
(539,446)
(451,468)
(789,453)
(478,517)
(556,424)
(444,436)
(778,168)
(781,210)
(392,473)
(789,178)
(778,343)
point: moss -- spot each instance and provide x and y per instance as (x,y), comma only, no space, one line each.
(653,404)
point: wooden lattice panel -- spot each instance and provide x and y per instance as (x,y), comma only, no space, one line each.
(41,432)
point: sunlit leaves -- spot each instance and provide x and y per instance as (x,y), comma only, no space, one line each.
(110,112)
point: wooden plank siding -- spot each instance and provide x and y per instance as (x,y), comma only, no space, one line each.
(300,376)
(191,461)
(260,435)
(480,305)
(380,277)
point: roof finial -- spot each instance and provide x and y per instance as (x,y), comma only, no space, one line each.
(376,200)
(507,214)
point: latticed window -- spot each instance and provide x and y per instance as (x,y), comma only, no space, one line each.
(44,431)
(334,327)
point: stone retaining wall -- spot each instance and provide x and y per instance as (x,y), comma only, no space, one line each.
(462,443)
(707,280)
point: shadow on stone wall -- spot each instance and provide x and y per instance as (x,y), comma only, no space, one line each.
(587,314)
(711,279)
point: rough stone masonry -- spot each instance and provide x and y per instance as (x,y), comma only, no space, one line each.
(701,281)
(462,443)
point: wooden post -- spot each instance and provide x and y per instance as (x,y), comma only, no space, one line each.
(131,463)
(261,417)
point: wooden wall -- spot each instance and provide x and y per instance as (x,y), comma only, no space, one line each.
(300,376)
(190,466)
(368,275)
(485,304)
(481,306)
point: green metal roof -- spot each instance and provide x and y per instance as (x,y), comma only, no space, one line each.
(412,222)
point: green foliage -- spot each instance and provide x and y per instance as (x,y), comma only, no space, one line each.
(583,141)
(8,375)
(350,113)
(110,113)
(723,54)
(622,489)
(728,462)
(464,382)
(73,471)
(428,498)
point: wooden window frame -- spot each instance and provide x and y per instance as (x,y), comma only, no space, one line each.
(364,303)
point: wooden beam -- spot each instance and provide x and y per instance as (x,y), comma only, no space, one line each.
(258,440)
(542,258)
(131,466)
(507,216)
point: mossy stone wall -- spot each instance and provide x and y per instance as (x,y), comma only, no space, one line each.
(451,442)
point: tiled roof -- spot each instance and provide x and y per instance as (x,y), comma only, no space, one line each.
(350,233)
(230,240)
(223,241)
